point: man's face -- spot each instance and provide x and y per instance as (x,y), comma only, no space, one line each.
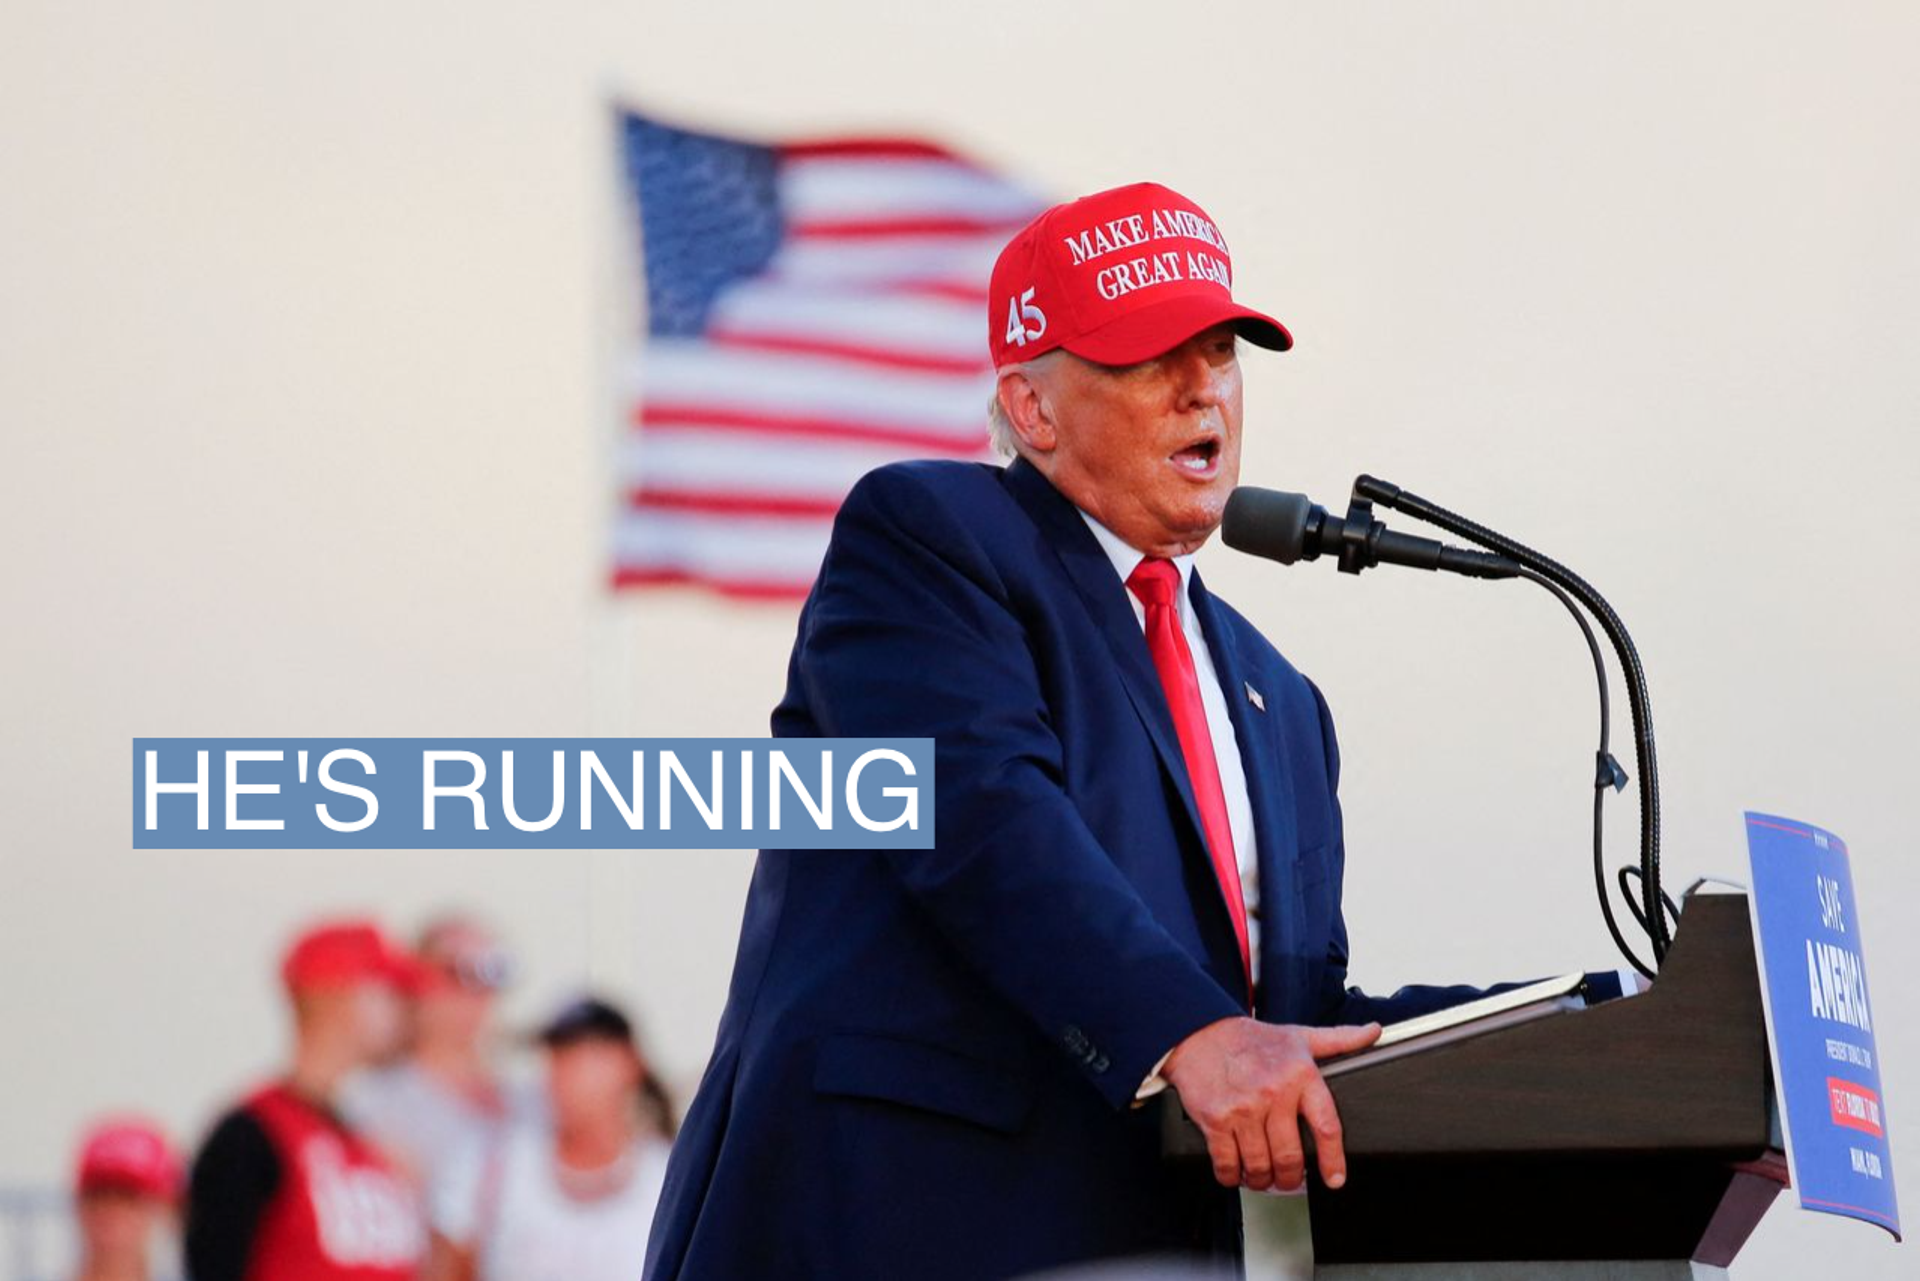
(380,1020)
(467,968)
(117,1225)
(591,1078)
(1150,450)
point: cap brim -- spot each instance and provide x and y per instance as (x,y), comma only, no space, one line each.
(584,1020)
(405,973)
(141,1183)
(1154,330)
(571,1033)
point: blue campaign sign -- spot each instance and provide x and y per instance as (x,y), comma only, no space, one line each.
(1822,1020)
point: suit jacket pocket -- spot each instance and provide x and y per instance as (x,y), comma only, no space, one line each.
(921,1075)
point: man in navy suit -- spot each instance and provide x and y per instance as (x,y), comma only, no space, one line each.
(945,1063)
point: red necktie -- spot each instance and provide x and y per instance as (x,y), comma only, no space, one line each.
(1156,582)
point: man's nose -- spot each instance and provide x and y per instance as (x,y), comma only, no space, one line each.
(1196,378)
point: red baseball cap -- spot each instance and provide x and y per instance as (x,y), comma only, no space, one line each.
(343,953)
(1117,277)
(127,1153)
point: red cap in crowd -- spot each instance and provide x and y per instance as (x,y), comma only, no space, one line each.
(344,953)
(127,1154)
(1118,277)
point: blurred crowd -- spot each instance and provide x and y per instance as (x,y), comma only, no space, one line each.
(388,1145)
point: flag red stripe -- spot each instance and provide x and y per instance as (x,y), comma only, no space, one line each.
(889,357)
(651,414)
(745,588)
(732,504)
(883,228)
(905,147)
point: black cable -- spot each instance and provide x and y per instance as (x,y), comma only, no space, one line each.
(1638,905)
(1607,776)
(1390,495)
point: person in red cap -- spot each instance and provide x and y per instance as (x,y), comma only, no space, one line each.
(283,1188)
(126,1185)
(951,1063)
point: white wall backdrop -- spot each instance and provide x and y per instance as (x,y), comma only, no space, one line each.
(303,314)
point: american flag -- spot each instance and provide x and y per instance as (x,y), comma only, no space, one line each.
(813,310)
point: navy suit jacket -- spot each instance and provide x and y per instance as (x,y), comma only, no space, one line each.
(928,1059)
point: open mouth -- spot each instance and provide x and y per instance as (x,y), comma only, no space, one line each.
(1198,457)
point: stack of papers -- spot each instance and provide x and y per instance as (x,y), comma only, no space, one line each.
(1475,1018)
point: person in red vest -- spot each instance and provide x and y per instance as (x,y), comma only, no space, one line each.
(284,1189)
(125,1187)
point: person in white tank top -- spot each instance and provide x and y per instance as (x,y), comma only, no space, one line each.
(569,1197)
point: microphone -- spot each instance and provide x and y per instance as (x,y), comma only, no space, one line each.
(1291,527)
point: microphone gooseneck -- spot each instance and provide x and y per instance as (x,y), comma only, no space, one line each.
(1290,528)
(1651,910)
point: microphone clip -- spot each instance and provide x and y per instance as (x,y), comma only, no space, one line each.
(1357,535)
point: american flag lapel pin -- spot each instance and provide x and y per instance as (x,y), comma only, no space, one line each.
(1253,696)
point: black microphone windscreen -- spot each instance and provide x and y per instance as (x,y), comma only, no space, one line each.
(1267,522)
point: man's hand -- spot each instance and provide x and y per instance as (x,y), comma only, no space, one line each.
(1247,1085)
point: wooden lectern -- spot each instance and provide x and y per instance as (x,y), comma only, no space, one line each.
(1629,1140)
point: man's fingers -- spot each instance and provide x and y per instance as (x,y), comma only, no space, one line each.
(1325,1042)
(1283,1140)
(1316,1108)
(1224,1149)
(1256,1156)
(1282,1137)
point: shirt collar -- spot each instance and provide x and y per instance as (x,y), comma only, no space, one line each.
(1126,558)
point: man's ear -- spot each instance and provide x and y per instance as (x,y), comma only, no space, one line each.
(1026,410)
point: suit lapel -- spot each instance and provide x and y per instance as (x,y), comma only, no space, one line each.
(1105,598)
(1269,788)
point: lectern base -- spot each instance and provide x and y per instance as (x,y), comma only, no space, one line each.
(1575,1270)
